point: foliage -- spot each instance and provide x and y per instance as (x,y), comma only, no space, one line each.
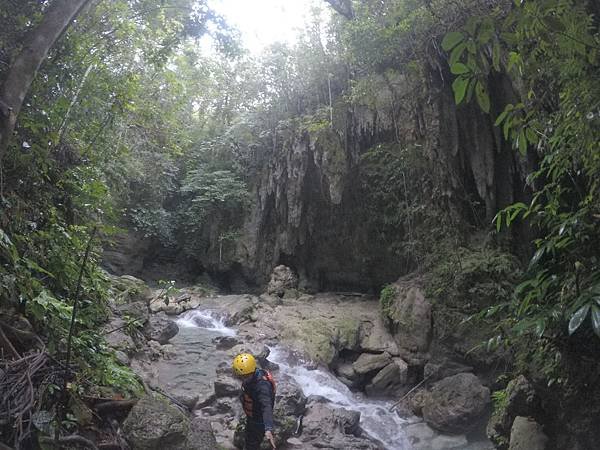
(386,298)
(558,113)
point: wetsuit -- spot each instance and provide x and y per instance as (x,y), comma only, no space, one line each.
(258,399)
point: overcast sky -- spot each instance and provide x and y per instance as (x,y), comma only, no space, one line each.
(263,22)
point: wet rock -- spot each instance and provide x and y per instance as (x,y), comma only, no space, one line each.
(368,362)
(444,442)
(289,400)
(159,328)
(348,376)
(419,433)
(154,424)
(456,404)
(389,379)
(226,386)
(225,342)
(200,436)
(332,427)
(186,398)
(374,338)
(282,279)
(527,434)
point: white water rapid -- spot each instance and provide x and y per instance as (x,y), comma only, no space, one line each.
(204,319)
(375,418)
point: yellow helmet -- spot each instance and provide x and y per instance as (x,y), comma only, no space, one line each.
(244,364)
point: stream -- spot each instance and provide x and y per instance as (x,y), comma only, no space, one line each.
(195,359)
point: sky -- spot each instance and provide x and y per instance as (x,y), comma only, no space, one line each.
(263,22)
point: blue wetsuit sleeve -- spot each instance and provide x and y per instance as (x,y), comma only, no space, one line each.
(265,398)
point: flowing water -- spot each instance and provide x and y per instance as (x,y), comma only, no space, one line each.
(196,361)
(375,418)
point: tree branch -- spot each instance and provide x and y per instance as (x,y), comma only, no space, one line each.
(343,7)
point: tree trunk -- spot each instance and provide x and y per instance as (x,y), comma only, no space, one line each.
(25,66)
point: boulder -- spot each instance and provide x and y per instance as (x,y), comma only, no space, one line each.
(389,379)
(282,279)
(160,328)
(154,424)
(409,317)
(225,342)
(527,434)
(521,400)
(226,386)
(348,376)
(129,289)
(368,362)
(116,336)
(200,436)
(289,400)
(435,371)
(332,427)
(134,310)
(455,404)
(374,338)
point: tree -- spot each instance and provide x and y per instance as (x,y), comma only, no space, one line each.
(39,41)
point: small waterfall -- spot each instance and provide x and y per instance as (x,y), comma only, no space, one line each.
(375,417)
(204,319)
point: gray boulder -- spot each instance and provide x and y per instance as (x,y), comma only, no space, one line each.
(455,404)
(282,279)
(409,317)
(226,386)
(368,362)
(389,379)
(200,436)
(289,400)
(160,328)
(527,434)
(135,310)
(332,427)
(154,424)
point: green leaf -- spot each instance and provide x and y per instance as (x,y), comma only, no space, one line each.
(483,97)
(554,23)
(578,318)
(596,319)
(459,86)
(457,53)
(500,118)
(452,39)
(459,69)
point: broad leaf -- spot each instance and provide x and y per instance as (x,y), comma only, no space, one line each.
(457,53)
(578,318)
(459,86)
(451,40)
(459,69)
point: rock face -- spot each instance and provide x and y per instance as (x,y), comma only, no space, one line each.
(409,317)
(521,400)
(527,434)
(389,379)
(282,279)
(456,404)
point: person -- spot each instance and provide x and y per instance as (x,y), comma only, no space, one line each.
(258,400)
